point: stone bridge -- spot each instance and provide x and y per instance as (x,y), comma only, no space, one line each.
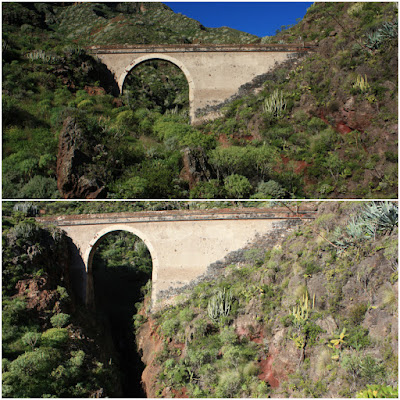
(216,74)
(182,244)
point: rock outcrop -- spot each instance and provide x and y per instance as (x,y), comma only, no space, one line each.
(73,161)
(195,166)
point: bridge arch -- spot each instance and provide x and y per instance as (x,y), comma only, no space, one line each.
(164,57)
(94,243)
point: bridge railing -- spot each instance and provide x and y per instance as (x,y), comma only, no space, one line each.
(176,215)
(173,48)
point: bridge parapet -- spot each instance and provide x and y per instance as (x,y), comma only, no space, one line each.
(173,48)
(176,216)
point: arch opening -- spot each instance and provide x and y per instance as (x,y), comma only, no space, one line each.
(158,82)
(120,266)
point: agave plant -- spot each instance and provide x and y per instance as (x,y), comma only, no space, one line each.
(388,30)
(380,217)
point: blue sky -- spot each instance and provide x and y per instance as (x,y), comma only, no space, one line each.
(257,18)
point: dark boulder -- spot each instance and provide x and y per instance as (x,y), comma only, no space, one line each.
(75,178)
(195,166)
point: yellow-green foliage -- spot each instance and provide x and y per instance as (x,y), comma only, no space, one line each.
(301,311)
(125,118)
(355,9)
(55,337)
(362,84)
(85,103)
(378,391)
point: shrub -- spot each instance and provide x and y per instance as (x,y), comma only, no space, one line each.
(358,337)
(186,314)
(251,369)
(59,320)
(237,186)
(206,190)
(55,337)
(357,313)
(228,335)
(186,135)
(363,366)
(40,187)
(170,327)
(269,190)
(228,385)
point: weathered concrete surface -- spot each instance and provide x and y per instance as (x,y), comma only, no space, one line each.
(214,73)
(182,244)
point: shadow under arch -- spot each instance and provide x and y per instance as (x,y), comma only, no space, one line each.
(113,289)
(172,60)
(95,242)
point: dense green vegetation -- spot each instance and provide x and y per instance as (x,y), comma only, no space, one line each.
(48,337)
(312,315)
(48,345)
(324,128)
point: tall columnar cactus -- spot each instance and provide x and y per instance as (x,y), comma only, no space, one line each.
(362,84)
(219,305)
(275,104)
(301,311)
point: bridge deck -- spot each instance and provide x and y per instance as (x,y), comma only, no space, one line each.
(175,48)
(178,215)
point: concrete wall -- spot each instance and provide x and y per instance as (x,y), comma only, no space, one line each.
(182,245)
(214,74)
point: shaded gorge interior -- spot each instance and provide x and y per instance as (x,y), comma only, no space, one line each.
(122,270)
(157,85)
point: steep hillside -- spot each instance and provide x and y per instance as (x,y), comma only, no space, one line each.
(310,312)
(323,128)
(139,23)
(330,123)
